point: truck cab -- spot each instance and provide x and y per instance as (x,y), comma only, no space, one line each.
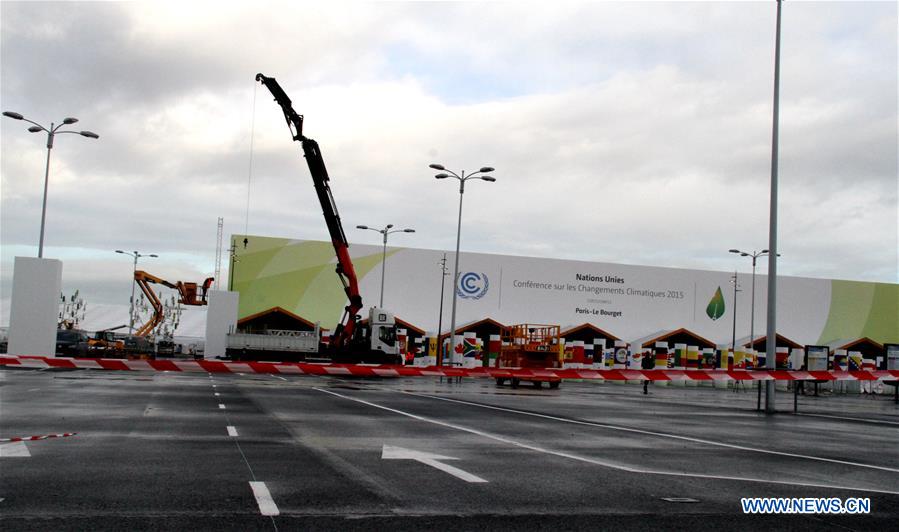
(382,327)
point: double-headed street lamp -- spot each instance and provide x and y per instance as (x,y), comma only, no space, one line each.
(462,179)
(52,131)
(755,255)
(386,231)
(136,256)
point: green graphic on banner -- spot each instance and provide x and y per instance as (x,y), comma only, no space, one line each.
(859,309)
(297,276)
(716,306)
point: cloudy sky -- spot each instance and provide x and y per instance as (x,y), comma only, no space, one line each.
(627,132)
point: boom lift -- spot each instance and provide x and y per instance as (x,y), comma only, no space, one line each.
(348,342)
(188,293)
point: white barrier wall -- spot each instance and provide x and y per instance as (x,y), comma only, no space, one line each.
(221,319)
(34,308)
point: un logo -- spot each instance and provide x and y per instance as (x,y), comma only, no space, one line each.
(472,285)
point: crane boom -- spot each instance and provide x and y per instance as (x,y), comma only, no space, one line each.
(343,333)
(186,291)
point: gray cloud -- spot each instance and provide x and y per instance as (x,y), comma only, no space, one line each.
(626,132)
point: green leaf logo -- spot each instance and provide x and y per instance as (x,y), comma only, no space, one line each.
(716,306)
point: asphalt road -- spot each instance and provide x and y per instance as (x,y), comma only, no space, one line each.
(247,452)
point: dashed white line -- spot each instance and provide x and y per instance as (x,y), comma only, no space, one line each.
(231,430)
(221,406)
(278,377)
(216,394)
(264,499)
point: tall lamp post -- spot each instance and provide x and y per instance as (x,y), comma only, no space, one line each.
(755,256)
(462,179)
(52,131)
(771,325)
(136,256)
(386,231)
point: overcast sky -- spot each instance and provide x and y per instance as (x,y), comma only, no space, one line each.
(627,132)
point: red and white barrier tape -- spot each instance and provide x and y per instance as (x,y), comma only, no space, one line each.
(35,438)
(362,370)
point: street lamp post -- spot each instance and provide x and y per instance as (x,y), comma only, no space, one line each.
(771,325)
(462,179)
(136,256)
(386,231)
(755,256)
(52,131)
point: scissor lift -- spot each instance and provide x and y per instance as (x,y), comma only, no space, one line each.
(530,346)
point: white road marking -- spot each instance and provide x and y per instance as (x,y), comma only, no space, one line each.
(278,377)
(232,431)
(390,452)
(661,434)
(221,406)
(863,420)
(593,460)
(264,499)
(14,449)
(216,394)
(34,389)
(213,385)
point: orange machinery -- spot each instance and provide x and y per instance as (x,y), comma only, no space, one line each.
(530,346)
(188,293)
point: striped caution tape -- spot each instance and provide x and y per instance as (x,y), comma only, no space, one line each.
(370,370)
(35,438)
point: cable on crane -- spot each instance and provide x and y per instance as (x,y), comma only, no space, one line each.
(250,169)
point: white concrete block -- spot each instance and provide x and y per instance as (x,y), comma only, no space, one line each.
(34,308)
(221,319)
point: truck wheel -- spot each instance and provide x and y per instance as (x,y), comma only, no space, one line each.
(515,383)
(538,384)
(500,382)
(554,384)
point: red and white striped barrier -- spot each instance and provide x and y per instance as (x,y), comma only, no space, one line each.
(367,370)
(35,438)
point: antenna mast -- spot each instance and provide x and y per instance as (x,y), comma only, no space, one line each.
(218,252)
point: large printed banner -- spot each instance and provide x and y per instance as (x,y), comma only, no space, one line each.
(627,301)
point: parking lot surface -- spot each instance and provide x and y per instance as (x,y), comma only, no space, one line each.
(160,450)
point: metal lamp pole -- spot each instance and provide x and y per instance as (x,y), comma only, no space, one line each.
(386,231)
(755,255)
(770,341)
(52,131)
(462,179)
(136,256)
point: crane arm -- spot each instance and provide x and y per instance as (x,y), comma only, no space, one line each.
(186,291)
(345,270)
(143,280)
